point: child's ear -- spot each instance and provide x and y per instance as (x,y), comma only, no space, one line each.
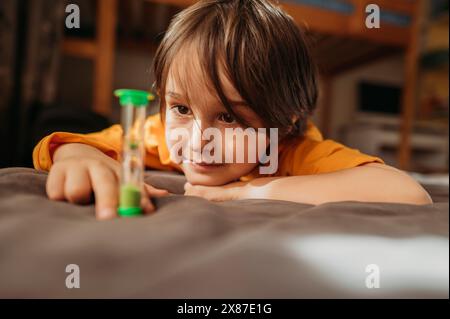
(295,122)
(296,125)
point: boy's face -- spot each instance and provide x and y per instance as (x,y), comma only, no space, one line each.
(190,105)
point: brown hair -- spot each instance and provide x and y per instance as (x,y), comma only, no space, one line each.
(264,54)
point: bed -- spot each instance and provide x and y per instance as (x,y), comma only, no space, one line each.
(192,248)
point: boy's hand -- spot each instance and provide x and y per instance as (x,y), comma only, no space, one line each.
(79,170)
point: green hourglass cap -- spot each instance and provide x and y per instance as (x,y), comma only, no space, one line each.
(136,98)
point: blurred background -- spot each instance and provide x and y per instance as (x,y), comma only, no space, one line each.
(383,91)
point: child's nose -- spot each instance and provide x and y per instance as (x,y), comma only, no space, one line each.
(197,142)
(198,138)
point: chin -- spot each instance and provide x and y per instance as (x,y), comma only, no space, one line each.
(217,177)
(206,180)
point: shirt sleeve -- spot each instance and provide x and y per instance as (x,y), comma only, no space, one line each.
(317,157)
(107,141)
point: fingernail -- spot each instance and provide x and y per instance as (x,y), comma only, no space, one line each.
(106,213)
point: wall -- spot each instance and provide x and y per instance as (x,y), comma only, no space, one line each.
(132,70)
(344,92)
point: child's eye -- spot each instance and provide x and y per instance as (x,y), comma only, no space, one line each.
(227,118)
(181,109)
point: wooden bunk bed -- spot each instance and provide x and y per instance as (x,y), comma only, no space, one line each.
(338,27)
(101,50)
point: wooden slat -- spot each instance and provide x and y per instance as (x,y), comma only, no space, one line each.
(397,6)
(178,3)
(340,54)
(400,6)
(334,23)
(316,19)
(409,91)
(327,109)
(356,22)
(387,35)
(327,43)
(137,46)
(368,57)
(104,60)
(312,17)
(83,48)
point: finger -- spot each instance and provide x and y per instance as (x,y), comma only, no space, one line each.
(155,192)
(115,166)
(146,203)
(105,186)
(55,183)
(77,186)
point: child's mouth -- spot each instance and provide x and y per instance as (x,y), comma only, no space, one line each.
(202,166)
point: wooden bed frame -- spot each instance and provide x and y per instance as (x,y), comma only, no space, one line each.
(334,29)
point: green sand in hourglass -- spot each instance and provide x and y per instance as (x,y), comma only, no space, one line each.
(130,200)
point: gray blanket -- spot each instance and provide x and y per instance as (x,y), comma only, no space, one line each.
(192,248)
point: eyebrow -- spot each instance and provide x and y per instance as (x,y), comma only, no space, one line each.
(233,103)
(174,94)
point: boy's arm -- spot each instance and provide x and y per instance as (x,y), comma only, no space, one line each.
(106,141)
(367,183)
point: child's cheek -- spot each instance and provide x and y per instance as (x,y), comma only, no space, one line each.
(228,147)
(238,145)
(177,140)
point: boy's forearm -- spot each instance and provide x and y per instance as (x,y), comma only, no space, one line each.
(369,183)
